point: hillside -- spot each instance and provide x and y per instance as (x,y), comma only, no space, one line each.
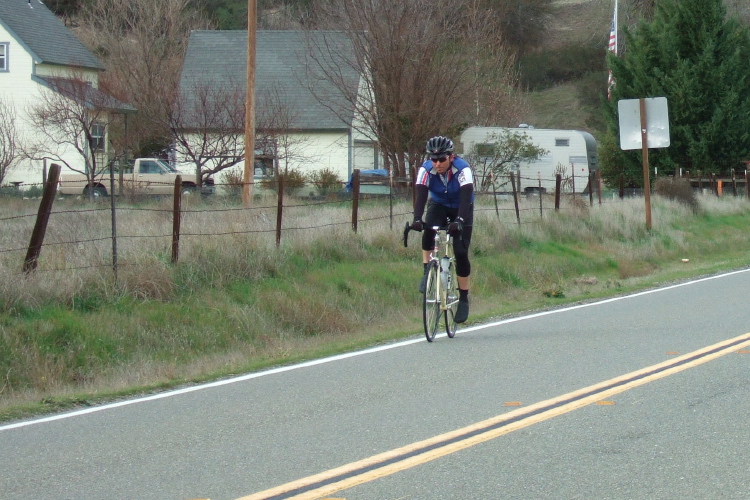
(574,104)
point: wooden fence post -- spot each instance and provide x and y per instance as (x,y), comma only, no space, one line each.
(42,218)
(558,186)
(279,211)
(591,189)
(113,217)
(622,186)
(355,198)
(598,177)
(176,215)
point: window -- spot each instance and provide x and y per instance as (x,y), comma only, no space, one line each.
(263,167)
(98,131)
(149,167)
(562,142)
(3,56)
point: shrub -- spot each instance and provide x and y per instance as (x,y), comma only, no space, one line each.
(10,192)
(233,180)
(325,180)
(293,180)
(34,192)
(678,190)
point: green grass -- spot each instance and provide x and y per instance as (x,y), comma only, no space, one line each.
(74,339)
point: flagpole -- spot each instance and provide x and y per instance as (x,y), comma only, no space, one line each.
(612,48)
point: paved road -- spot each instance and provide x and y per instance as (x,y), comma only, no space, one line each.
(593,401)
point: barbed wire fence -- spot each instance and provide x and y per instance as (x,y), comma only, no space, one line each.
(71,231)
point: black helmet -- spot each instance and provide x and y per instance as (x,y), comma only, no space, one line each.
(439,146)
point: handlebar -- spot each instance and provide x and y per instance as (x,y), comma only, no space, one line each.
(408,228)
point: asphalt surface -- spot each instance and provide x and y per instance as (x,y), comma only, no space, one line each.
(671,435)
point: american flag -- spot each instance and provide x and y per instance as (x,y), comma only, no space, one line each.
(613,49)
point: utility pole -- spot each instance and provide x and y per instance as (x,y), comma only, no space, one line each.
(247,191)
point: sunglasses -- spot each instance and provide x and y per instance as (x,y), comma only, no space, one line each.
(439,160)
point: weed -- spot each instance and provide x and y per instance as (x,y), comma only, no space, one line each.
(679,190)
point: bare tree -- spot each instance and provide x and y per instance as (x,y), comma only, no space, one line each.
(498,100)
(71,114)
(9,147)
(207,123)
(142,43)
(423,67)
(276,122)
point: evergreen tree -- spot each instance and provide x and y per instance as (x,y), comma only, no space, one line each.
(697,58)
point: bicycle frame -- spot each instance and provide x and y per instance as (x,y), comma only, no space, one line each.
(440,296)
(445,261)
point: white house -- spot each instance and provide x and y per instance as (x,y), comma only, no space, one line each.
(319,127)
(571,153)
(38,53)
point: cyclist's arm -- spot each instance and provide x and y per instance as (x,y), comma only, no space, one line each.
(420,200)
(421,192)
(465,193)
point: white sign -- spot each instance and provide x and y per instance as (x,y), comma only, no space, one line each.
(657,123)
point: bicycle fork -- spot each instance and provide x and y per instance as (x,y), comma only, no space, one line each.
(443,277)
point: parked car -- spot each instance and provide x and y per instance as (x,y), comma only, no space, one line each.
(151,176)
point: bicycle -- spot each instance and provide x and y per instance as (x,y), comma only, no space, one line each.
(441,291)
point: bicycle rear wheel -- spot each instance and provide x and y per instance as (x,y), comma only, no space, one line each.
(431,303)
(452,303)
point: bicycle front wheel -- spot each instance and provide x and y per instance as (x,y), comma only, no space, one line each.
(431,304)
(451,303)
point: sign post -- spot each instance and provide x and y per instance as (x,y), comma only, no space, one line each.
(644,124)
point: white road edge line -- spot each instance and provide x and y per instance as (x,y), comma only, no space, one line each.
(338,357)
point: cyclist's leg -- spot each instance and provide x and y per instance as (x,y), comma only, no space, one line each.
(434,216)
(463,271)
(451,302)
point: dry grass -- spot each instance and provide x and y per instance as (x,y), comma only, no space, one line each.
(236,302)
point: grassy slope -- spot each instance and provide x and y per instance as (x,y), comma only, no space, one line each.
(365,293)
(574,21)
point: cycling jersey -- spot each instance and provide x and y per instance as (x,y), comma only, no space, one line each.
(444,189)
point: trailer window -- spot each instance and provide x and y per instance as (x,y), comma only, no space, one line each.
(562,142)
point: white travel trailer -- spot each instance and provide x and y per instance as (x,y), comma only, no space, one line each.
(571,153)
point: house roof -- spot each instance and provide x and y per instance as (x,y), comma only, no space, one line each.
(282,62)
(44,35)
(81,91)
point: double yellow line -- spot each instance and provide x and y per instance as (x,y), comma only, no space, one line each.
(390,462)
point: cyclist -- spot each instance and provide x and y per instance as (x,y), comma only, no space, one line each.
(449,182)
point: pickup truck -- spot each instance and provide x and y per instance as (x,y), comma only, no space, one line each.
(151,176)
